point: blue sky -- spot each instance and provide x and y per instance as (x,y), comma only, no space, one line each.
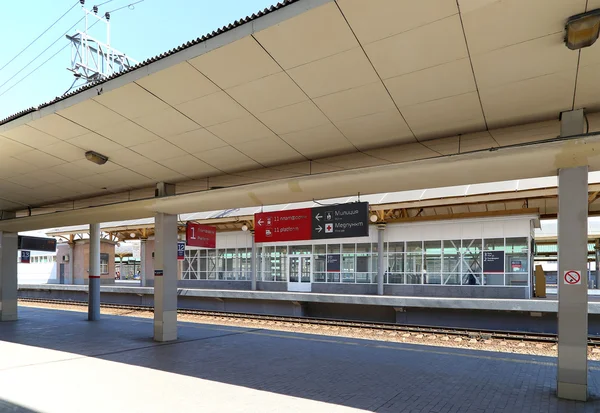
(152,27)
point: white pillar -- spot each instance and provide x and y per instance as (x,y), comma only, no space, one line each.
(380,256)
(165,277)
(94,274)
(143,262)
(8,276)
(572,256)
(71,264)
(165,270)
(253,263)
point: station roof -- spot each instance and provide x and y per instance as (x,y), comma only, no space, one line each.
(309,87)
(534,196)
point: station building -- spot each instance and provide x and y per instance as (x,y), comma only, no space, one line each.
(434,243)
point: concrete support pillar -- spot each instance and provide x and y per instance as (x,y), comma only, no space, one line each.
(94,274)
(380,258)
(143,262)
(253,263)
(165,271)
(572,256)
(71,264)
(8,276)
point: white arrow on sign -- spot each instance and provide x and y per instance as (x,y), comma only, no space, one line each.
(318,217)
(319,229)
(260,222)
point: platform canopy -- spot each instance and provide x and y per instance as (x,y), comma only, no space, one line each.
(314,89)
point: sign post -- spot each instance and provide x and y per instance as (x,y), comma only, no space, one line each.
(25,257)
(493,261)
(572,277)
(335,221)
(198,235)
(180,250)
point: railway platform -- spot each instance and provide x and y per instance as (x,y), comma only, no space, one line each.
(54,361)
(533,315)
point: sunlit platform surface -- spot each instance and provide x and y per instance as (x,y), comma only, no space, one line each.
(57,362)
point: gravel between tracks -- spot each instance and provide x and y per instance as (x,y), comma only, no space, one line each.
(505,346)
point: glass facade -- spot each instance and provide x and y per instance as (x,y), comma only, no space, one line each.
(436,262)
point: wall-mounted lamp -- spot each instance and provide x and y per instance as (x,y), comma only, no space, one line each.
(582,30)
(373,218)
(96,157)
(244,227)
(132,235)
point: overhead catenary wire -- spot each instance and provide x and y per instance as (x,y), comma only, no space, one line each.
(126,6)
(45,61)
(57,52)
(40,54)
(37,38)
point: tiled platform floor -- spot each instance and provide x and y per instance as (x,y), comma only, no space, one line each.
(56,362)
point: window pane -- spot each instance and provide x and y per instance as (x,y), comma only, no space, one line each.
(300,249)
(211,264)
(451,279)
(279,264)
(413,278)
(432,278)
(348,248)
(414,263)
(319,249)
(333,248)
(362,263)
(451,251)
(414,246)
(375,263)
(103,263)
(433,262)
(516,245)
(348,268)
(395,278)
(496,244)
(471,261)
(517,255)
(320,262)
(364,278)
(363,248)
(396,247)
(471,279)
(493,279)
(516,279)
(333,277)
(319,277)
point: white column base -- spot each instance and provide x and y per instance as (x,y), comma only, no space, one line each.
(572,391)
(165,327)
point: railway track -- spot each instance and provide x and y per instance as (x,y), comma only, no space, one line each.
(479,334)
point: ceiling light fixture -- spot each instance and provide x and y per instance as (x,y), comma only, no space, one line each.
(582,29)
(96,157)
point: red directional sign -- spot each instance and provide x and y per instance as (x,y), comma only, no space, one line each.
(572,277)
(293,225)
(198,235)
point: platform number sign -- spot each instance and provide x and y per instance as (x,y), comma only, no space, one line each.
(25,257)
(181,250)
(572,277)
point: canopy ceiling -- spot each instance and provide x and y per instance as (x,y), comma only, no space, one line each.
(310,87)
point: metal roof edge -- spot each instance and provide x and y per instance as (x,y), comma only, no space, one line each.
(237,23)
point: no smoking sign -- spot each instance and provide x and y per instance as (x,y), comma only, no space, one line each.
(572,277)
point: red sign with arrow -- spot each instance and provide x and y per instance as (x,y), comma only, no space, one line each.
(292,225)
